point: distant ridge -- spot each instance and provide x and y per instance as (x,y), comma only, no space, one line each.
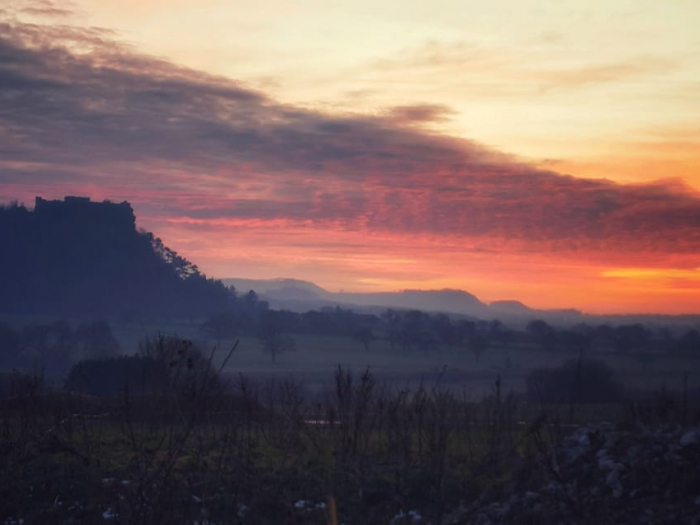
(277,287)
(510,307)
(447,300)
(299,295)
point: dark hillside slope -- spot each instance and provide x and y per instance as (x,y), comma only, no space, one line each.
(77,257)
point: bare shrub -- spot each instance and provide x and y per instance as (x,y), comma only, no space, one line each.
(579,381)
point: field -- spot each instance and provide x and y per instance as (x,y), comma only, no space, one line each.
(330,431)
(316,357)
(262,454)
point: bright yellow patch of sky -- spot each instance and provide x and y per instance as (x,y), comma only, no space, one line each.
(569,83)
(653,273)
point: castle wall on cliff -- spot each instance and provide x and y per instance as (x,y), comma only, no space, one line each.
(84,209)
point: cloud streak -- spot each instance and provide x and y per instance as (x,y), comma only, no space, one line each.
(497,72)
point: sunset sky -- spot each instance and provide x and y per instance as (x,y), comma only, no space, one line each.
(546,151)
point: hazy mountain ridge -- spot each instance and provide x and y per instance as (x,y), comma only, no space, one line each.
(300,295)
(278,286)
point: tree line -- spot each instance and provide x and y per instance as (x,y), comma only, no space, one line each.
(414,330)
(54,347)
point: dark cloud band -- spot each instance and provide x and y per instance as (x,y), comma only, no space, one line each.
(75,102)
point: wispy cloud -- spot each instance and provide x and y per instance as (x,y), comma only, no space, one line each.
(419,114)
(41,8)
(501,72)
(598,73)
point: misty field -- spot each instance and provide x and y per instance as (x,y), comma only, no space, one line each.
(214,431)
(204,448)
(315,357)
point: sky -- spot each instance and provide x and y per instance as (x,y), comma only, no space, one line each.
(545,151)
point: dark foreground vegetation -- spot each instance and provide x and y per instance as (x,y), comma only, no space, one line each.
(170,441)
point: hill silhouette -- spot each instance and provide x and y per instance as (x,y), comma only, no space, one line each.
(292,289)
(300,296)
(79,257)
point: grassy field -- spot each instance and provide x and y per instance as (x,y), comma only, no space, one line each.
(172,458)
(254,457)
(285,451)
(316,357)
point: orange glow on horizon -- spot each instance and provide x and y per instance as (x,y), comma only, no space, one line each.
(371,262)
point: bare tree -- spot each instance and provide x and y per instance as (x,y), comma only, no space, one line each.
(274,340)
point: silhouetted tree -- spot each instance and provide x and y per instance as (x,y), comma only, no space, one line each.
(541,333)
(35,342)
(664,340)
(393,330)
(478,344)
(185,365)
(95,339)
(689,342)
(574,341)
(416,331)
(223,325)
(273,339)
(364,336)
(112,376)
(629,338)
(582,381)
(251,300)
(444,329)
(62,345)
(51,346)
(10,345)
(498,332)
(465,331)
